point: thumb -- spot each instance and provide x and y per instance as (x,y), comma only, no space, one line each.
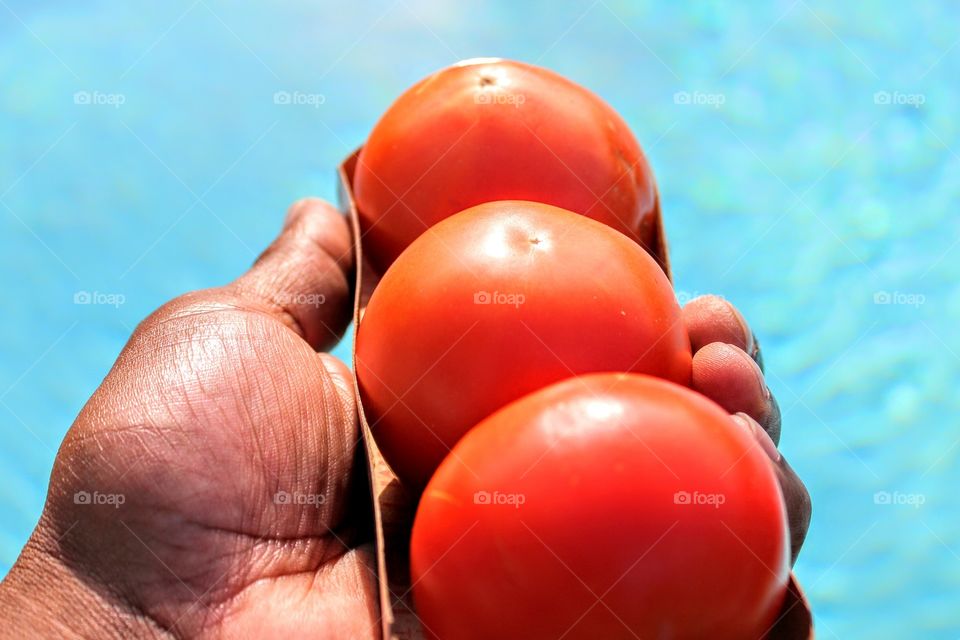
(304,276)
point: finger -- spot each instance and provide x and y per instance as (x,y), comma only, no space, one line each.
(728,376)
(712,319)
(304,276)
(795,494)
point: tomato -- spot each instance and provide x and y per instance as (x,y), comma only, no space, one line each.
(498,301)
(605,506)
(490,129)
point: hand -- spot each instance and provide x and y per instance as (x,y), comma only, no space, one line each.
(208,487)
(728,368)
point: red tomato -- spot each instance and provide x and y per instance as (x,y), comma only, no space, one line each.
(490,129)
(605,506)
(498,301)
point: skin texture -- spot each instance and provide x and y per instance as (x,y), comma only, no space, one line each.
(596,465)
(430,155)
(218,401)
(432,362)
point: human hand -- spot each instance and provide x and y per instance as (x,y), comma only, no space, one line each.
(231,444)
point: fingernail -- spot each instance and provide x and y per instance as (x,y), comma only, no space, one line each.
(757,353)
(761,379)
(761,436)
(748,341)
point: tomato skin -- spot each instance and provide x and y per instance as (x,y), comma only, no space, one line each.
(431,362)
(488,130)
(598,461)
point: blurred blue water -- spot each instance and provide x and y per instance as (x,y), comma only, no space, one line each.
(808,166)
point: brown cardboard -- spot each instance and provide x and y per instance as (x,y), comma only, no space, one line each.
(394,507)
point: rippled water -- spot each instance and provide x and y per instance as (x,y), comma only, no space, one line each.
(807,156)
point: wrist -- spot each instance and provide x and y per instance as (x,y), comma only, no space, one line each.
(45,596)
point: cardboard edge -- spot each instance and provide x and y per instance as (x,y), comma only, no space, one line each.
(349,208)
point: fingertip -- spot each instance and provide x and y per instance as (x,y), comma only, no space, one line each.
(317,220)
(306,205)
(711,318)
(728,376)
(304,276)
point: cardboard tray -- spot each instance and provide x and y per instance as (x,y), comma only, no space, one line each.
(393,506)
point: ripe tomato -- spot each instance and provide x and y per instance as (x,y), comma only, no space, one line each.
(498,301)
(605,506)
(490,129)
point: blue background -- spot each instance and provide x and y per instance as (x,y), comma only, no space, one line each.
(807,198)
